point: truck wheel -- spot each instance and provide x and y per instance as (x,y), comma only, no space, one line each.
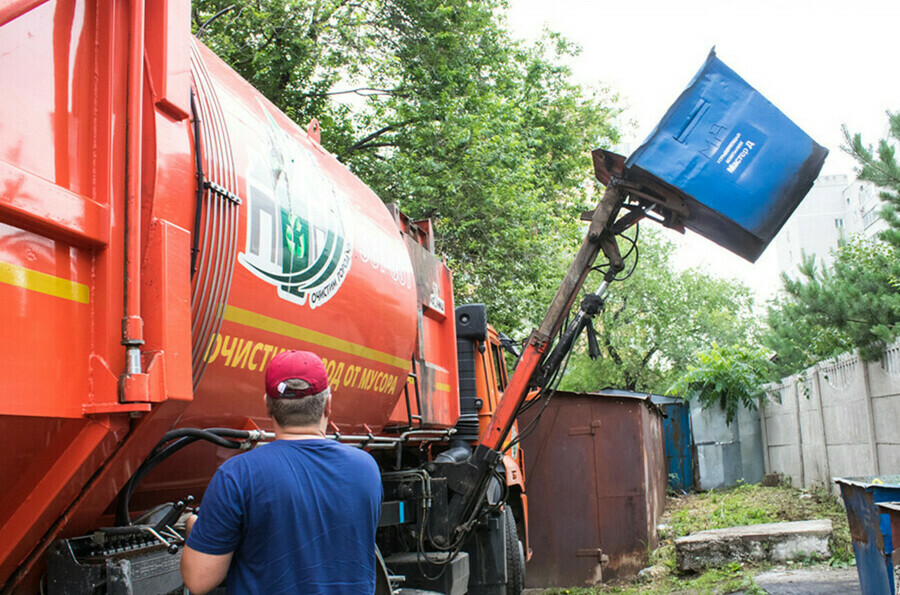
(515,556)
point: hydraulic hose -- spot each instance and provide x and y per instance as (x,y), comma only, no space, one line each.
(182,437)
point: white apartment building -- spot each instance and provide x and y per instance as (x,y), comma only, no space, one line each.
(834,209)
(863,201)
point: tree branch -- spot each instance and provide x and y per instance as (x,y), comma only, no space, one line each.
(646,359)
(370,137)
(326,16)
(612,350)
(366,141)
(359,91)
(856,149)
(374,146)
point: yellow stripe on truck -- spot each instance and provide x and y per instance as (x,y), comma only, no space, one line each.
(287,329)
(18,276)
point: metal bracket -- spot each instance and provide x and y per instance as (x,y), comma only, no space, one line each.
(221,191)
(668,202)
(537,341)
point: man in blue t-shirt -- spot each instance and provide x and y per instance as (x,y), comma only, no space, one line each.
(294,516)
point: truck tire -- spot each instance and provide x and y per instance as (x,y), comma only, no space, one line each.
(515,556)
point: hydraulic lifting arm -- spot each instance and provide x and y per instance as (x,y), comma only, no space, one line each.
(468,481)
(529,368)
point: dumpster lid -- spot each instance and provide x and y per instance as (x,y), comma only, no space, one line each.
(619,392)
(895,506)
(609,393)
(870,481)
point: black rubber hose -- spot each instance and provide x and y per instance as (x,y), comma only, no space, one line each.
(182,437)
(214,435)
(198,155)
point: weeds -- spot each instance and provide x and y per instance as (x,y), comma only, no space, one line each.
(716,510)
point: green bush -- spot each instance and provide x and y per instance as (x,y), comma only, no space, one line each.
(725,376)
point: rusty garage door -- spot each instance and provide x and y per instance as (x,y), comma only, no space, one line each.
(595,477)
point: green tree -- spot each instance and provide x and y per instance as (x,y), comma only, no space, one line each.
(458,122)
(797,341)
(501,170)
(728,377)
(293,51)
(829,310)
(655,322)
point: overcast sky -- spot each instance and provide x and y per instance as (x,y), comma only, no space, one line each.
(823,63)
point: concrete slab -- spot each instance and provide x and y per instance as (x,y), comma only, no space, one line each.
(821,580)
(774,542)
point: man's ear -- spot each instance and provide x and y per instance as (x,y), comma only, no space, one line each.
(328,407)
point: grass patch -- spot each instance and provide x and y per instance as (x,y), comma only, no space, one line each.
(753,504)
(743,505)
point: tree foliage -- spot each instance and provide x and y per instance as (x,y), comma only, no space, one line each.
(294,52)
(655,322)
(445,114)
(797,341)
(855,303)
(729,377)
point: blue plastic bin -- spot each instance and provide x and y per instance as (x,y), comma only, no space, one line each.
(740,165)
(870,530)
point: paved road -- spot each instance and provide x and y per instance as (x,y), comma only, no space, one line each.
(810,581)
(820,580)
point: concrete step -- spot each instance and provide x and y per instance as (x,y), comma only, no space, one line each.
(775,542)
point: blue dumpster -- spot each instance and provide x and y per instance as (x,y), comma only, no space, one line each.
(725,155)
(870,530)
(892,509)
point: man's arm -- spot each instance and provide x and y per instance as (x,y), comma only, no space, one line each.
(203,572)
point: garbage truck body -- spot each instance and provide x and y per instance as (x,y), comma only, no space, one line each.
(165,231)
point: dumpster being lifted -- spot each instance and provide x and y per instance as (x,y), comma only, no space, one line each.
(724,160)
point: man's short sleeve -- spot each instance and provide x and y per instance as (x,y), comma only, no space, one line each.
(218,527)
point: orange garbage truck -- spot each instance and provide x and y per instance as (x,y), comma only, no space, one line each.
(164,232)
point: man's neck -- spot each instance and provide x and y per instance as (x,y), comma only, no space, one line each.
(300,432)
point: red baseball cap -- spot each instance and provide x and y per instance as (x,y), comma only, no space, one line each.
(299,365)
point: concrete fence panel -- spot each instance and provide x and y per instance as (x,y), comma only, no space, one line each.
(750,433)
(884,375)
(840,418)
